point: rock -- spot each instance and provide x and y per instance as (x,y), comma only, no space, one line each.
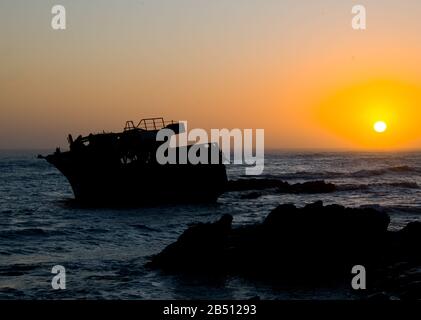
(281,186)
(326,239)
(201,245)
(333,219)
(379,296)
(412,291)
(412,232)
(406,242)
(313,243)
(310,187)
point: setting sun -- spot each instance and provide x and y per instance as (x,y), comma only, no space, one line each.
(380,126)
(370,108)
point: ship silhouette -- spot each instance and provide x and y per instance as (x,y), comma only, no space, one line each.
(122,169)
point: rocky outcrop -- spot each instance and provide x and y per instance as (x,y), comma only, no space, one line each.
(309,187)
(197,247)
(315,243)
(281,186)
(315,237)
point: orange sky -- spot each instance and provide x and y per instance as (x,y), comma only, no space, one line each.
(296,69)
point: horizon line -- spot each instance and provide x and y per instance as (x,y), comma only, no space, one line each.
(267,150)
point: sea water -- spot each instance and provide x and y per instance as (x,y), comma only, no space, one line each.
(104,250)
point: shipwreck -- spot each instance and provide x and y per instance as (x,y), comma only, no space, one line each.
(122,169)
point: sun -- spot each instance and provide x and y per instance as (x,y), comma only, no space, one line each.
(380,126)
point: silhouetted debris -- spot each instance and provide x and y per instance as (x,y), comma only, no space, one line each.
(281,186)
(315,243)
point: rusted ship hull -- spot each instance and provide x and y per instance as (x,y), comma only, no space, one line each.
(103,183)
(122,168)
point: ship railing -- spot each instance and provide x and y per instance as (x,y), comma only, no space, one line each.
(148,124)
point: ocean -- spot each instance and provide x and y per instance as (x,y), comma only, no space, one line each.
(104,250)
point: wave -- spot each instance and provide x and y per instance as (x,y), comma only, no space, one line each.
(263,183)
(398,184)
(409,185)
(366,173)
(30,232)
(17,269)
(383,171)
(403,209)
(301,175)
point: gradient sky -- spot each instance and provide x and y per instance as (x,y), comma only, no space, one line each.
(295,68)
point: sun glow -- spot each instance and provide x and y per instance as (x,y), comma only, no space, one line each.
(368,110)
(380,126)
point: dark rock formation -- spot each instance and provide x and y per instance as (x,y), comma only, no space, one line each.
(309,187)
(298,240)
(406,243)
(315,243)
(197,247)
(281,186)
